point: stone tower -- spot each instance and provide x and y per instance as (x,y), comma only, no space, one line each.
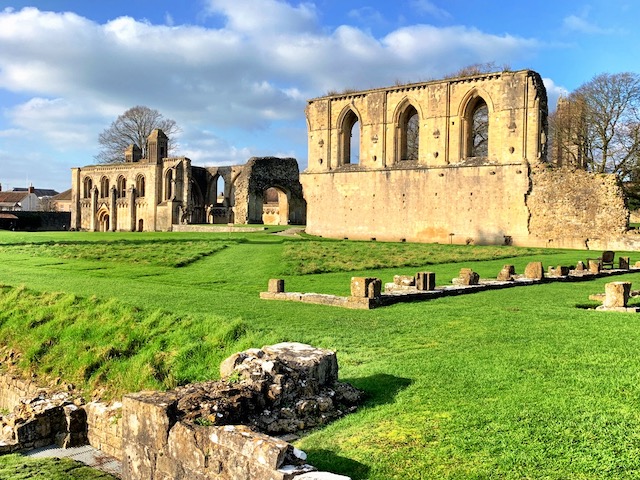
(157,146)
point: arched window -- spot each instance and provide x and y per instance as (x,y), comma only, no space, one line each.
(88,185)
(409,134)
(219,185)
(104,187)
(140,186)
(122,187)
(168,185)
(478,133)
(350,139)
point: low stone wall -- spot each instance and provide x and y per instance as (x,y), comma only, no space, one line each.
(14,388)
(104,427)
(199,431)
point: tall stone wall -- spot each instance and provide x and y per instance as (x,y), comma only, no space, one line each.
(446,194)
(483,204)
(574,206)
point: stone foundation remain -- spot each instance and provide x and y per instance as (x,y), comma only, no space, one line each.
(201,431)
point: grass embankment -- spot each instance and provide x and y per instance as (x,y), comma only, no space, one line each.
(515,383)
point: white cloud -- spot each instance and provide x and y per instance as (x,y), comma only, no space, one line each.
(427,7)
(554,92)
(581,24)
(255,70)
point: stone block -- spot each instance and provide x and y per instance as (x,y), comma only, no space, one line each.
(276,285)
(317,364)
(623,263)
(404,280)
(366,287)
(507,273)
(468,277)
(534,271)
(147,418)
(616,294)
(580,266)
(595,266)
(426,280)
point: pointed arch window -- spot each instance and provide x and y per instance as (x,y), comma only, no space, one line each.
(409,134)
(122,187)
(350,138)
(104,187)
(478,129)
(140,185)
(87,186)
(168,185)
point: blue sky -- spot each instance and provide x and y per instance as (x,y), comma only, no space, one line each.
(236,74)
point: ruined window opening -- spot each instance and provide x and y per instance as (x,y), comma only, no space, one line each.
(88,185)
(219,193)
(140,186)
(104,187)
(410,134)
(351,139)
(168,185)
(122,187)
(478,140)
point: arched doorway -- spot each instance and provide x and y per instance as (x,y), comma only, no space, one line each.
(275,207)
(103,221)
(140,225)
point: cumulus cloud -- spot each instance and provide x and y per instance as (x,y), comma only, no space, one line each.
(250,73)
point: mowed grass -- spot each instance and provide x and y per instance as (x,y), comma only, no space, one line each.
(17,467)
(515,383)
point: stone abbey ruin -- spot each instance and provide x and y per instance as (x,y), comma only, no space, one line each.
(461,160)
(158,192)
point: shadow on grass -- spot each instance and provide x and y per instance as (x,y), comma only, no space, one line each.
(380,388)
(326,460)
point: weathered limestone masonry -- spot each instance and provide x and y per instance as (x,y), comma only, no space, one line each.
(201,431)
(574,208)
(158,192)
(193,432)
(461,160)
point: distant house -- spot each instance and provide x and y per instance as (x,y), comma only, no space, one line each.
(61,202)
(21,201)
(39,192)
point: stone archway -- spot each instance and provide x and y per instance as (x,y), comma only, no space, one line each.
(103,221)
(275,207)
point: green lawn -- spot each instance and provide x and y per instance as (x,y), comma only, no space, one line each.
(515,383)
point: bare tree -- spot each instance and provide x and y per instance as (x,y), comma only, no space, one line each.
(133,127)
(597,127)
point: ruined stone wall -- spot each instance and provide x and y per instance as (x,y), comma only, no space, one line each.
(575,206)
(261,173)
(481,203)
(445,191)
(104,427)
(13,388)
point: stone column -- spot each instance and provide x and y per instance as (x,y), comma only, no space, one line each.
(616,294)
